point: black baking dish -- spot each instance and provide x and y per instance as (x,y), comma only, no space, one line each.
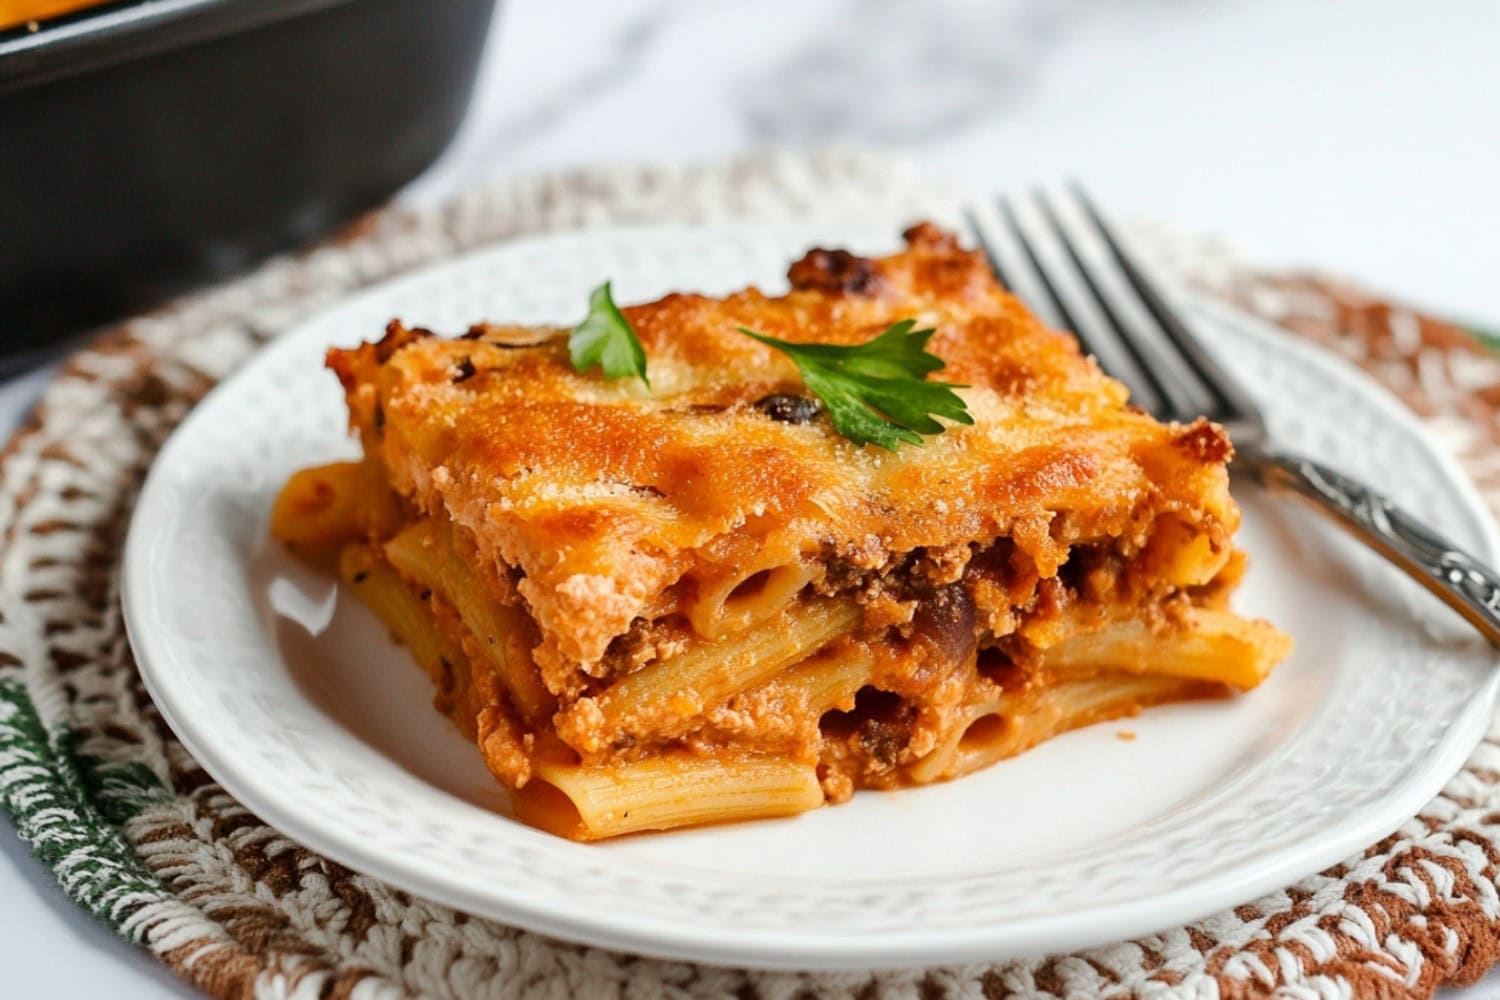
(151,145)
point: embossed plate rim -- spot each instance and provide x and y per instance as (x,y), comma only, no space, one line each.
(826,947)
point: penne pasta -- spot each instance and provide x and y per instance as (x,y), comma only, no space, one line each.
(667,698)
(670,790)
(408,616)
(1214,645)
(324,507)
(424,553)
(995,724)
(752,594)
(825,681)
(320,507)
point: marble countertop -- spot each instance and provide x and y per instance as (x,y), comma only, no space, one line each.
(1358,135)
(1353,135)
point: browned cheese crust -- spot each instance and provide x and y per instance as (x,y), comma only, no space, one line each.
(607,501)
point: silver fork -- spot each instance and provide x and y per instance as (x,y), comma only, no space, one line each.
(1056,251)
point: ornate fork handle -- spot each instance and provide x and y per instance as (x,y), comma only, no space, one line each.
(1462,582)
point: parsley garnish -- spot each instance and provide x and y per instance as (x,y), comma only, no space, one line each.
(605,338)
(877,392)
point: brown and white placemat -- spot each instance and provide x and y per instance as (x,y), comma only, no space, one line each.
(138,834)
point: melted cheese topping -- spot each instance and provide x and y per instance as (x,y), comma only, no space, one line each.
(608,499)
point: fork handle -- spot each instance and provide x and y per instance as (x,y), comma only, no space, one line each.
(1461,581)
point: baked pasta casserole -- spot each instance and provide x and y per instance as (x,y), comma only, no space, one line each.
(694,601)
(14,12)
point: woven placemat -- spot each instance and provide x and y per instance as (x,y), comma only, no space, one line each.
(138,834)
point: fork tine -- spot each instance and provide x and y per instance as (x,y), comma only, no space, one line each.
(1009,261)
(1231,403)
(1055,294)
(1016,264)
(1176,384)
(1080,308)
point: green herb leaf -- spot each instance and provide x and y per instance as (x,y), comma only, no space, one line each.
(1485,337)
(605,338)
(876,392)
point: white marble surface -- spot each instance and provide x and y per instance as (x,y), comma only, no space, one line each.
(1359,135)
(1355,134)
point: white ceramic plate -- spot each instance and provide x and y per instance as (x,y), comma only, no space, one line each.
(292,696)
